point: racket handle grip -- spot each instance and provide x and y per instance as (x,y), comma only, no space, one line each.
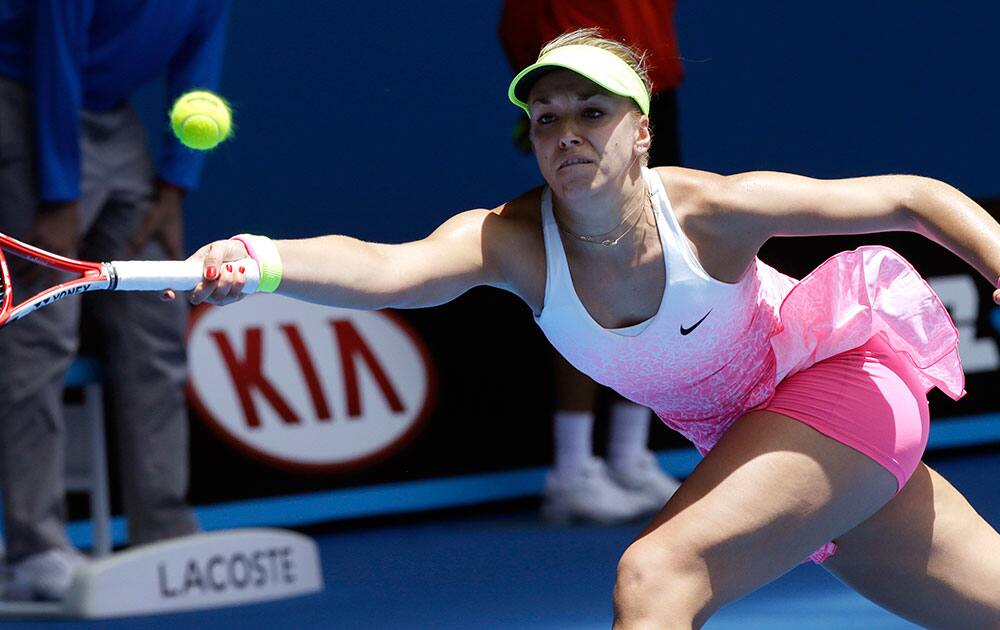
(180,275)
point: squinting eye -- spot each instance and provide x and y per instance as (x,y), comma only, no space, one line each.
(592,113)
(544,119)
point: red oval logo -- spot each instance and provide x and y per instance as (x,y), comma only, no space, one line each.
(308,387)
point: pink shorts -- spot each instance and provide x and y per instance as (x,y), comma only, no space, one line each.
(870,399)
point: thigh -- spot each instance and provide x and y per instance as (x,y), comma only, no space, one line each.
(869,398)
(771,492)
(142,338)
(35,351)
(927,556)
(117,183)
(18,196)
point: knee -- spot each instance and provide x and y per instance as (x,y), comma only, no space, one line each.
(659,586)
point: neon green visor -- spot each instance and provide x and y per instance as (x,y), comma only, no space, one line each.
(603,67)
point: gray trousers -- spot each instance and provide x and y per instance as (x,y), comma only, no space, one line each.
(141,341)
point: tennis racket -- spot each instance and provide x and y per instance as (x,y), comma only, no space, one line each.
(122,275)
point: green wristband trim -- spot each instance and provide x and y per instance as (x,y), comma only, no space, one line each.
(265,252)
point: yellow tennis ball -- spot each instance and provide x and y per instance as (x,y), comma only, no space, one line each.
(201,120)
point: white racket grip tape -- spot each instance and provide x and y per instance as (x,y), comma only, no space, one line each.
(180,275)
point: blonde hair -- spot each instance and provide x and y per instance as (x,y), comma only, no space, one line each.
(636,60)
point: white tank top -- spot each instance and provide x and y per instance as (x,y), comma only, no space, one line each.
(689,295)
(681,362)
(715,350)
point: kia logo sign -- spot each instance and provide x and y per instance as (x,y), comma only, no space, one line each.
(308,387)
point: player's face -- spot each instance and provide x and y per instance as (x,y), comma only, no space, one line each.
(585,138)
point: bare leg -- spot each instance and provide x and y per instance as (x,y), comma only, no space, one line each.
(927,556)
(769,494)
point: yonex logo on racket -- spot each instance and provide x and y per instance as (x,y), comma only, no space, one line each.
(61,294)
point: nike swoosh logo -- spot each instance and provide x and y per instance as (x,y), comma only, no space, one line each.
(687,331)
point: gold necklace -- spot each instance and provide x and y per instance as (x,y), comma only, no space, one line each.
(599,238)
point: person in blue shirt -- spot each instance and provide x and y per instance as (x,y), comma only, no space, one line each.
(76,178)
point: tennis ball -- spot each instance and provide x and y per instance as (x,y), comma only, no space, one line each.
(201,120)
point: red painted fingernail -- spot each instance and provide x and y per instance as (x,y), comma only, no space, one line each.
(243,269)
(211,273)
(229,268)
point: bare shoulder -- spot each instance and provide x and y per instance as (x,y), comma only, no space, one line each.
(518,222)
(512,238)
(504,245)
(698,198)
(692,191)
(716,231)
(512,220)
(524,210)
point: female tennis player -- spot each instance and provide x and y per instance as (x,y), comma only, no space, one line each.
(808,397)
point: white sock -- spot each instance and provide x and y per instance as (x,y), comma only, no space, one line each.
(629,433)
(572,431)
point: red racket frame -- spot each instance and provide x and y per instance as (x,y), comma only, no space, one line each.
(93,276)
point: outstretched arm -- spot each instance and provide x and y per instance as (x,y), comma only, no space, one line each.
(760,205)
(343,271)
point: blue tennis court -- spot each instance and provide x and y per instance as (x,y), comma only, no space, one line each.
(503,568)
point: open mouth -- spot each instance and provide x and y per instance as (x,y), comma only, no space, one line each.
(574,162)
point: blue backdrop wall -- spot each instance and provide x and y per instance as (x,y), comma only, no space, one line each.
(381,119)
